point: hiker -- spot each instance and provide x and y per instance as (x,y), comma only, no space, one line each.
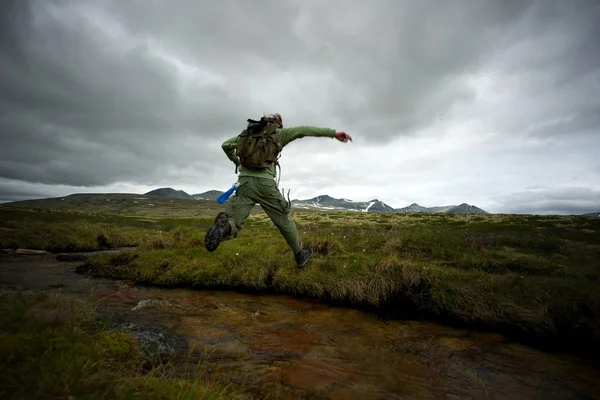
(257,171)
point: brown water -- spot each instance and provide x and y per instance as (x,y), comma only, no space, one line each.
(294,348)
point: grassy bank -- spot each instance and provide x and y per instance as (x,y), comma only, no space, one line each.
(75,231)
(535,275)
(55,346)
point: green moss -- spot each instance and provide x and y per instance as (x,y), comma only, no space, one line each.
(117,346)
(54,346)
(537,274)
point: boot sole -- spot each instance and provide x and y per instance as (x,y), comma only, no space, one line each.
(307,259)
(214,234)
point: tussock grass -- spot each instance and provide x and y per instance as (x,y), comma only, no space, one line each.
(55,346)
(324,246)
(539,276)
(535,275)
(55,231)
(180,237)
(69,237)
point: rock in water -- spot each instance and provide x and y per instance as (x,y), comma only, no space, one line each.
(30,252)
(155,343)
(149,303)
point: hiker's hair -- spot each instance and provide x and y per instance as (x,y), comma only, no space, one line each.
(275,118)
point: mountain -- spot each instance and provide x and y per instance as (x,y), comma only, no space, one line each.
(465,208)
(414,207)
(210,195)
(328,203)
(125,204)
(180,194)
(593,214)
(169,192)
(325,202)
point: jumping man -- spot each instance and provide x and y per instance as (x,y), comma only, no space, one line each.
(256,152)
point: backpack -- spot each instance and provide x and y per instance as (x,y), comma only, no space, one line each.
(258,146)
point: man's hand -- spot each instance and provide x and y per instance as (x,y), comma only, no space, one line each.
(343,136)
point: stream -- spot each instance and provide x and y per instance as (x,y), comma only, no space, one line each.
(295,348)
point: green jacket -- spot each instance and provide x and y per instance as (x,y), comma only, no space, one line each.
(286,135)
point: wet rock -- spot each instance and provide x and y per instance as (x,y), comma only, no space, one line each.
(149,303)
(155,343)
(30,252)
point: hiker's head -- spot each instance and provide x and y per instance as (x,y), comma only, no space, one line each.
(274,118)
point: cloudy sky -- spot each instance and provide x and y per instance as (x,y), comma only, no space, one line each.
(492,103)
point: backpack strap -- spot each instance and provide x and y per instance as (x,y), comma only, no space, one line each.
(277,165)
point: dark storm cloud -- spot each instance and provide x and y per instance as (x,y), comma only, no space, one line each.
(407,59)
(61,71)
(394,63)
(77,114)
(93,93)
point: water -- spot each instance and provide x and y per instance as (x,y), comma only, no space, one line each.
(293,348)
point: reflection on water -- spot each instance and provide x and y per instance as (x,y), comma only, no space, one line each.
(293,348)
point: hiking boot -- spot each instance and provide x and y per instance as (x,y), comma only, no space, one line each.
(303,256)
(217,232)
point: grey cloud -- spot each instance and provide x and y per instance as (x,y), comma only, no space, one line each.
(573,200)
(406,62)
(75,113)
(554,54)
(393,72)
(69,80)
(11,190)
(79,108)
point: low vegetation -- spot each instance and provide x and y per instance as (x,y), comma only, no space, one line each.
(534,275)
(56,346)
(71,231)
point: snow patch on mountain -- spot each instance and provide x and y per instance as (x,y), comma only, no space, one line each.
(327,203)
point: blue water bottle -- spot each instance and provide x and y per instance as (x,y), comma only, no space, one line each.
(223,198)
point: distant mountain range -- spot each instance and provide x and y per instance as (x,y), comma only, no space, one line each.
(328,203)
(169,192)
(414,207)
(318,203)
(210,195)
(594,214)
(180,194)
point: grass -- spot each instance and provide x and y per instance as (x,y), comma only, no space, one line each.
(56,346)
(532,275)
(69,231)
(128,205)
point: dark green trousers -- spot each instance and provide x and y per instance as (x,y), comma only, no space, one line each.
(264,192)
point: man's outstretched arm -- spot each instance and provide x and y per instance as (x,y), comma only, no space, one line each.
(288,135)
(228,147)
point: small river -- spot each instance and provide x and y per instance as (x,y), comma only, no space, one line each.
(294,348)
